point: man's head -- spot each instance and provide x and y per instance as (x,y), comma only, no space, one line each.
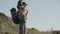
(24,4)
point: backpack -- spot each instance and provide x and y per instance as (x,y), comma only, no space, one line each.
(14,16)
(17,18)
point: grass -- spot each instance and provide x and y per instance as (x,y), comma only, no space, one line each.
(7,26)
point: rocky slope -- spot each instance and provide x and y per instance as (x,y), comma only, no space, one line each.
(8,27)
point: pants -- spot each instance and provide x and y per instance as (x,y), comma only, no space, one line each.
(22,28)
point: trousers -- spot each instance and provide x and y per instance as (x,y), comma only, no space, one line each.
(22,28)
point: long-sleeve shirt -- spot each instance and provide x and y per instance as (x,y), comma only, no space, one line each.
(23,12)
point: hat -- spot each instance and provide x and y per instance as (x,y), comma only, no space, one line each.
(24,3)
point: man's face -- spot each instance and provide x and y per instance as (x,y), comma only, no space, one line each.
(24,6)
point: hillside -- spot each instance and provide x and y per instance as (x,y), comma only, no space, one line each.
(7,26)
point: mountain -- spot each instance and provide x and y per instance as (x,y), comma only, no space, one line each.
(7,26)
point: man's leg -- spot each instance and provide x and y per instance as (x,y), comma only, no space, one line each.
(21,31)
(24,28)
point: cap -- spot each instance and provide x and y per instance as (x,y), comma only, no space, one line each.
(24,3)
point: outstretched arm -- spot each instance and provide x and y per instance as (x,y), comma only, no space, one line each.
(19,3)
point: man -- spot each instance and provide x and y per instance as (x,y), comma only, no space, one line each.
(25,12)
(22,15)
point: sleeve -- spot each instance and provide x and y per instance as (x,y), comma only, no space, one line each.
(19,4)
(27,12)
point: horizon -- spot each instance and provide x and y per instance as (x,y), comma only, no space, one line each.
(43,14)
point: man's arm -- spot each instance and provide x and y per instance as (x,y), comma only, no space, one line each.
(27,12)
(19,3)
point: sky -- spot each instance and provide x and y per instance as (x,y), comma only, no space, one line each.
(43,14)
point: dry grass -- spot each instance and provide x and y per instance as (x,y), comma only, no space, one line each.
(7,26)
